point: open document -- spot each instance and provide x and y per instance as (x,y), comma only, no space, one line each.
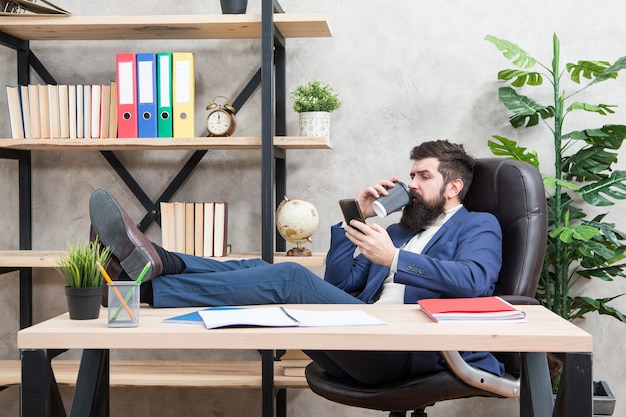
(286,317)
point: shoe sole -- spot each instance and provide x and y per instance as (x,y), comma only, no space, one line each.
(108,222)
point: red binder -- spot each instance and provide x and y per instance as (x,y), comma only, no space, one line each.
(479,308)
(126,73)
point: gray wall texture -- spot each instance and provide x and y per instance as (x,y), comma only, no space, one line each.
(407,71)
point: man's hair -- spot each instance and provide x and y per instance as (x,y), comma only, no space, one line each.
(454,162)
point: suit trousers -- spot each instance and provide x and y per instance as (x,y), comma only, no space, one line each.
(207,282)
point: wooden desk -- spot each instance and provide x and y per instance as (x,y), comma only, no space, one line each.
(407,329)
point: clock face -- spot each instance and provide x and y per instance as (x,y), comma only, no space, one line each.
(218,122)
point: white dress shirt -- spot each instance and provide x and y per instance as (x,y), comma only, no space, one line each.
(393,293)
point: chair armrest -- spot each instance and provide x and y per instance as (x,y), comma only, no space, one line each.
(519,299)
(505,386)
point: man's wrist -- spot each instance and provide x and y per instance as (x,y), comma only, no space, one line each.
(394,262)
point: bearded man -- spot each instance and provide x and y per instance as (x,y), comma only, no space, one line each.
(438,249)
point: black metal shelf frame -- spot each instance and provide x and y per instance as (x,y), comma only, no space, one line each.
(270,77)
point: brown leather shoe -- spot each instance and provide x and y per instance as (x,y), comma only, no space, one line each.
(129,245)
(114,269)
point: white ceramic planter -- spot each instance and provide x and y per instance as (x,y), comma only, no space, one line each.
(316,123)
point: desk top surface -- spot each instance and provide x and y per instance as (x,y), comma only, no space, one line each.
(407,328)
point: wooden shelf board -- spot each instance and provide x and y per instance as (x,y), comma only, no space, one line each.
(225,143)
(244,26)
(166,373)
(48,258)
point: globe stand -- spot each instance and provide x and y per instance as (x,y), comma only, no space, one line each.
(299,251)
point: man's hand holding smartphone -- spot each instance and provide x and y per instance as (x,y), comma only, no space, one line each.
(350,209)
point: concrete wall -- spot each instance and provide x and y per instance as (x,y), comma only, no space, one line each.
(407,71)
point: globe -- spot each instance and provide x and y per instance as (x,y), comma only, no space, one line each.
(296,221)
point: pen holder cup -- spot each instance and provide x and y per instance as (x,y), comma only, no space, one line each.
(123,304)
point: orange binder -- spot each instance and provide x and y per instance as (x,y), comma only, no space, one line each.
(183,93)
(126,73)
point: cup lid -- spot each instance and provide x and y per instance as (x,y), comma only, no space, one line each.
(379,209)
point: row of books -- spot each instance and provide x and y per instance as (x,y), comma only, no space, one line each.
(195,228)
(153,95)
(62,111)
(294,362)
(156,93)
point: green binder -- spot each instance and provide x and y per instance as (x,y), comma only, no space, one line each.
(164,95)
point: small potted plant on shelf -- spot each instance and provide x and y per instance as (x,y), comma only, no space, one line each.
(84,282)
(314,102)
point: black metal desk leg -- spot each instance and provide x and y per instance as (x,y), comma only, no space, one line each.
(26,297)
(39,392)
(267,382)
(574,398)
(281,403)
(536,396)
(35,389)
(91,396)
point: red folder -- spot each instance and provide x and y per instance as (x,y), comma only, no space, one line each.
(480,308)
(126,73)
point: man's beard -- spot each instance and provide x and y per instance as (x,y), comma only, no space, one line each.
(420,213)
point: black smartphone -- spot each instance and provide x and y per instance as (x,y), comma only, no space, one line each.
(351,210)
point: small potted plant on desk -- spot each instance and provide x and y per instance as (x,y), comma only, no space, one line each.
(314,102)
(84,283)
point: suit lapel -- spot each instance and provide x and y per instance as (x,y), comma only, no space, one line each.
(447,225)
(403,236)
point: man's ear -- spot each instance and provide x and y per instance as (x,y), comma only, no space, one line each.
(453,188)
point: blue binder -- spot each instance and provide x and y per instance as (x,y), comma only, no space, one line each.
(146,95)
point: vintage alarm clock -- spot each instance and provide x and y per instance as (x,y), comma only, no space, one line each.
(221,118)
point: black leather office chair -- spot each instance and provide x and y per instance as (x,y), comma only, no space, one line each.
(513,191)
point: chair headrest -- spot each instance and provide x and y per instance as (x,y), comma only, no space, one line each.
(513,191)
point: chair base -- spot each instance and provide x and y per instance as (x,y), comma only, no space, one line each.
(413,394)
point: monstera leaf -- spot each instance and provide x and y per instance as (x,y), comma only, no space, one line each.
(602,109)
(512,52)
(589,164)
(590,70)
(611,72)
(579,306)
(522,78)
(597,193)
(525,110)
(605,274)
(608,136)
(512,150)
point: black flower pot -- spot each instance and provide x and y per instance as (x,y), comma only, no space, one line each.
(234,6)
(84,303)
(603,399)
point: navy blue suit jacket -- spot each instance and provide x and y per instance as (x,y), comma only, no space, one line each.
(462,259)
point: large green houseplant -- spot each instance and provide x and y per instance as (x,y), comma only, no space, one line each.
(581,178)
